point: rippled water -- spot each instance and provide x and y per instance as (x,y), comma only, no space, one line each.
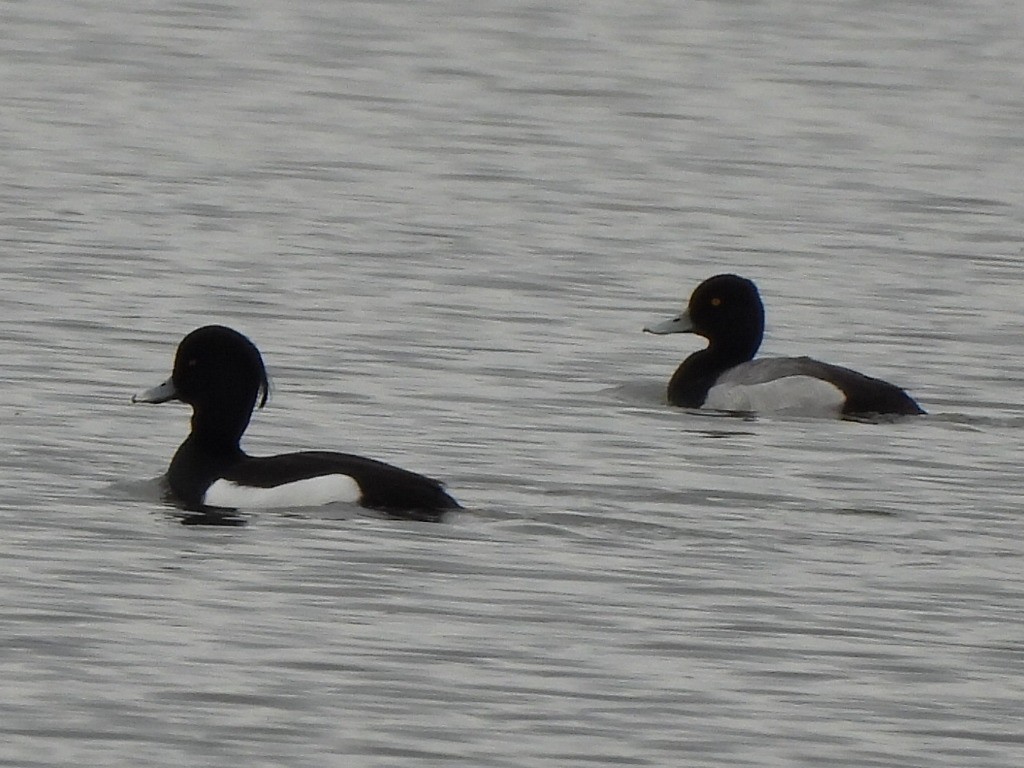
(445,224)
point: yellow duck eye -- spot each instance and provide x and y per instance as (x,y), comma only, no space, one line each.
(716,302)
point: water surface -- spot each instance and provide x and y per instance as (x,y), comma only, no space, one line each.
(445,225)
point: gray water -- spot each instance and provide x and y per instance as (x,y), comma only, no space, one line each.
(445,223)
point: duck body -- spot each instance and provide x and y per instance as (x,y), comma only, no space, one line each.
(727,310)
(220,373)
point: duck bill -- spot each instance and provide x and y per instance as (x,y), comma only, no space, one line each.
(678,324)
(158,394)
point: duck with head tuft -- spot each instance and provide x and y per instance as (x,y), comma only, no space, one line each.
(220,373)
(728,312)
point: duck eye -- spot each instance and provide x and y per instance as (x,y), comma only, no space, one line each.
(716,302)
(192,362)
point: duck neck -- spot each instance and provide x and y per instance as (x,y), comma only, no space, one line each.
(692,380)
(725,354)
(220,426)
(698,373)
(196,464)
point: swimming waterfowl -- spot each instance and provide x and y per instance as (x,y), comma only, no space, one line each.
(728,312)
(220,373)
